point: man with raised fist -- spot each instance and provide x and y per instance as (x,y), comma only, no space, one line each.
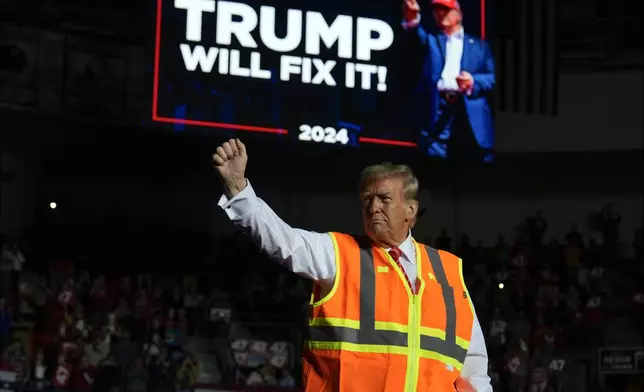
(387,313)
(459,74)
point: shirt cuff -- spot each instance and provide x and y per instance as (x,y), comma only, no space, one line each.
(411,24)
(239,205)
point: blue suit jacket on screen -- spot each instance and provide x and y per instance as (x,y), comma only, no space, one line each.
(478,60)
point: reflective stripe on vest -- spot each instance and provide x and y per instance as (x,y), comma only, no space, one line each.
(367,334)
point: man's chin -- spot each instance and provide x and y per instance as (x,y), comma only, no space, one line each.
(376,230)
(377,237)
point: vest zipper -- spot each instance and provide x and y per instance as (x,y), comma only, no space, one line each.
(413,342)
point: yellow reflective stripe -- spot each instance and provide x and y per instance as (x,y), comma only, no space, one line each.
(469,298)
(440,334)
(338,272)
(433,332)
(441,358)
(413,338)
(358,348)
(334,322)
(383,326)
(390,326)
(382,349)
(462,343)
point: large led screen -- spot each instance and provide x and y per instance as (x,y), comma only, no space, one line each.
(340,72)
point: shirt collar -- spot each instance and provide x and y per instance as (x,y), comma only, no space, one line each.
(460,34)
(407,248)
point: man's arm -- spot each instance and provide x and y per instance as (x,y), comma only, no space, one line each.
(308,254)
(416,31)
(474,377)
(485,80)
(411,23)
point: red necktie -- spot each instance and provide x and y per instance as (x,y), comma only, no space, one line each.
(395,254)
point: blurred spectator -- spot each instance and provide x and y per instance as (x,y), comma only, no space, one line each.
(6,321)
(516,365)
(11,263)
(39,371)
(63,373)
(497,335)
(286,380)
(98,348)
(83,375)
(109,374)
(136,377)
(501,253)
(541,382)
(264,375)
(574,237)
(610,225)
(536,226)
(16,357)
(187,374)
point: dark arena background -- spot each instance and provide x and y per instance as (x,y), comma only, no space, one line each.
(120,272)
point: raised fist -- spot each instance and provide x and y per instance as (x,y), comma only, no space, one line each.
(410,10)
(230,162)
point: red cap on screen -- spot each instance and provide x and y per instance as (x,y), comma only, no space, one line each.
(451,4)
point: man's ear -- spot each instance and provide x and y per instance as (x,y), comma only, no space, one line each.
(412,209)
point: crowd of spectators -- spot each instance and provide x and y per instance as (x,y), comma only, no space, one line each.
(547,307)
(67,328)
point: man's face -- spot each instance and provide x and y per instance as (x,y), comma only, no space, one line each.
(386,213)
(446,18)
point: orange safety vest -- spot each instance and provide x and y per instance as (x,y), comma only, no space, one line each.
(371,333)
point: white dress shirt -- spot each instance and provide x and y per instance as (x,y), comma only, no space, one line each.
(311,255)
(453,56)
(452,68)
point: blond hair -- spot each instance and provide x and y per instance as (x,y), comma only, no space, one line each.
(389,170)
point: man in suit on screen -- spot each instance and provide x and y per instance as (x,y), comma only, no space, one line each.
(458,78)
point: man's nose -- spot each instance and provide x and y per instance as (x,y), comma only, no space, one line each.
(374,206)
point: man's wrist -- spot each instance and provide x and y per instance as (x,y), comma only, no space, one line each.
(410,24)
(233,186)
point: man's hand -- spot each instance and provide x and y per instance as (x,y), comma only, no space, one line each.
(230,162)
(410,10)
(465,82)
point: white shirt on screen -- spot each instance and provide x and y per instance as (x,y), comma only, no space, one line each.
(452,68)
(311,255)
(453,55)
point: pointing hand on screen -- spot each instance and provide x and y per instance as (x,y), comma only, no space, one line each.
(230,162)
(411,10)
